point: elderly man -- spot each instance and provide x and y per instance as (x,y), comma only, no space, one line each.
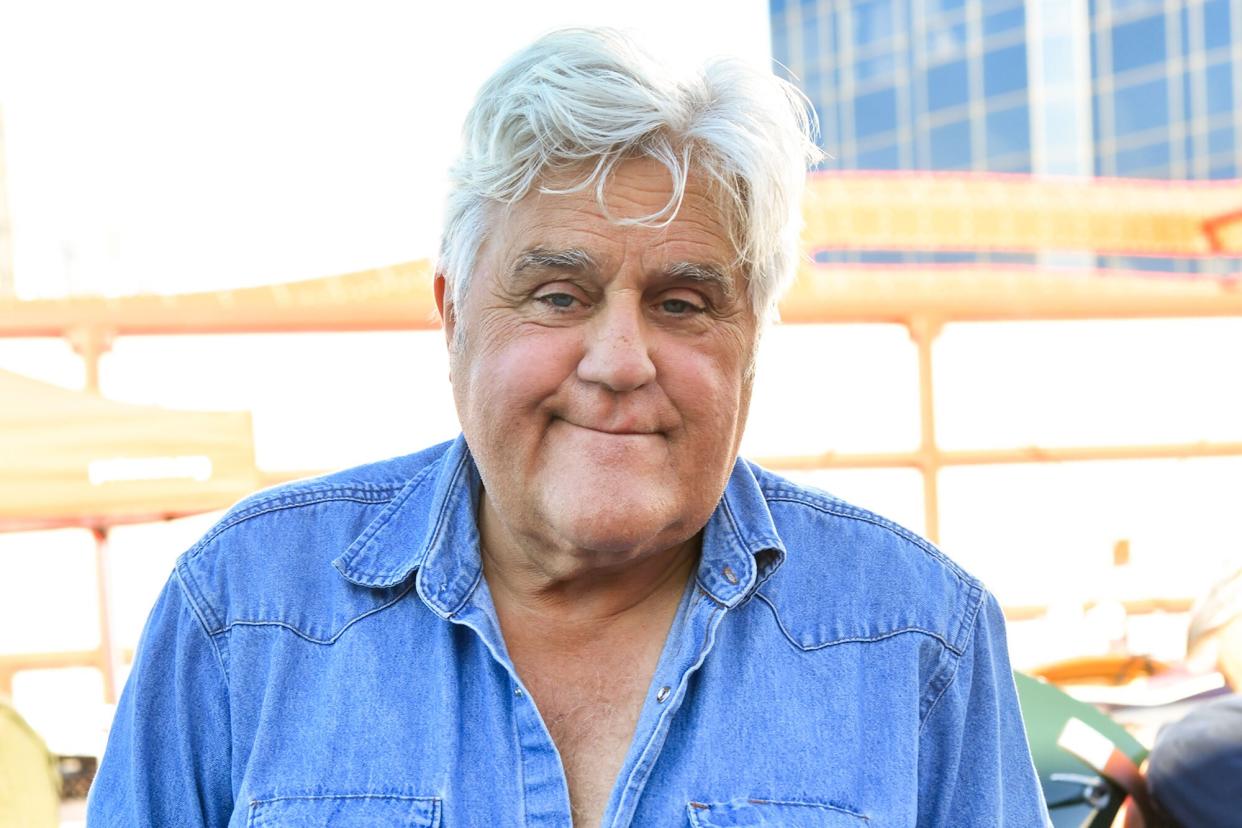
(585,610)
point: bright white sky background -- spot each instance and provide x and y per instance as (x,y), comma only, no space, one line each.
(174,146)
(166,146)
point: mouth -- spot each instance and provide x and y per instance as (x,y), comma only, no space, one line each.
(618,430)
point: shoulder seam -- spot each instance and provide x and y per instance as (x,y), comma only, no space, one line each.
(867,639)
(289,500)
(194,609)
(844,510)
(243,622)
(973,615)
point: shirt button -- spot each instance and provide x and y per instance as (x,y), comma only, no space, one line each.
(662,693)
(517,691)
(730,575)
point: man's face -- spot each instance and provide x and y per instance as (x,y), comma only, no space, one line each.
(602,381)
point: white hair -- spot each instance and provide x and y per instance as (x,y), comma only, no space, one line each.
(577,102)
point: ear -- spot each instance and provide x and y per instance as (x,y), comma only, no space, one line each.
(444,304)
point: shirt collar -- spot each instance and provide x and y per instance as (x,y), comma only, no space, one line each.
(430,526)
(741,548)
(433,512)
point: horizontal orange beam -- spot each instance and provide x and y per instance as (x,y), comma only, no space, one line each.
(399,298)
(395,298)
(969,211)
(1138,606)
(13,663)
(1001,456)
(983,292)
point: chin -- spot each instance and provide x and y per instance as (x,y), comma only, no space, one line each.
(615,526)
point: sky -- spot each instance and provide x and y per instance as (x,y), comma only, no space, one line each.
(172,146)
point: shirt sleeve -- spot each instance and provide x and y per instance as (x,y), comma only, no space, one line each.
(975,764)
(168,757)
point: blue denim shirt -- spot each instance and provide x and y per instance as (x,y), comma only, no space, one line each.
(329,654)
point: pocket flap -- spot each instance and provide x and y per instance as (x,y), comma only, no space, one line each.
(773,812)
(363,810)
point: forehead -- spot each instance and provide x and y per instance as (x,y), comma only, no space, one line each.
(636,191)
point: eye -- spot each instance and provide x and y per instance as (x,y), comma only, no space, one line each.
(559,301)
(679,307)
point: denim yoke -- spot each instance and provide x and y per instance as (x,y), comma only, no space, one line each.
(329,655)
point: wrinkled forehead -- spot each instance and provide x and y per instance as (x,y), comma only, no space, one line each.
(639,199)
(690,180)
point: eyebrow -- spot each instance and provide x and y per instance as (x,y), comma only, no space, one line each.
(577,260)
(704,274)
(541,258)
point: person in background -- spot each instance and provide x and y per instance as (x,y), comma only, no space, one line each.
(586,609)
(1194,772)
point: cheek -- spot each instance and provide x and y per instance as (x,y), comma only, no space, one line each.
(708,388)
(512,373)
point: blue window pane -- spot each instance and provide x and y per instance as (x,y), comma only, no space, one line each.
(1010,164)
(950,146)
(777,7)
(1009,131)
(1140,43)
(876,112)
(881,158)
(873,20)
(936,6)
(780,44)
(1134,5)
(1004,70)
(1183,27)
(1141,107)
(952,256)
(813,85)
(1004,20)
(879,66)
(1187,112)
(810,37)
(1223,169)
(943,43)
(1219,88)
(1097,117)
(879,257)
(947,86)
(1148,160)
(1150,263)
(1220,140)
(1216,23)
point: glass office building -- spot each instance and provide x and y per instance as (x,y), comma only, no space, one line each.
(1141,88)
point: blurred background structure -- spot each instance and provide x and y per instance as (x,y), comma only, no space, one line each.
(1017,328)
(1135,88)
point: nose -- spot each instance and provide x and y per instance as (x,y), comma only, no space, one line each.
(616,353)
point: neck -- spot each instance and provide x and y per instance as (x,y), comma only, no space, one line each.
(564,588)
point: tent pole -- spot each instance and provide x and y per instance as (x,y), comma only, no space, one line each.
(106,653)
(90,343)
(923,331)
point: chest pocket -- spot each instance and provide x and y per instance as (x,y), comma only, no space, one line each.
(774,813)
(345,811)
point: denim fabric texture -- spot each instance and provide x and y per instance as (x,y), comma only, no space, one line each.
(328,655)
